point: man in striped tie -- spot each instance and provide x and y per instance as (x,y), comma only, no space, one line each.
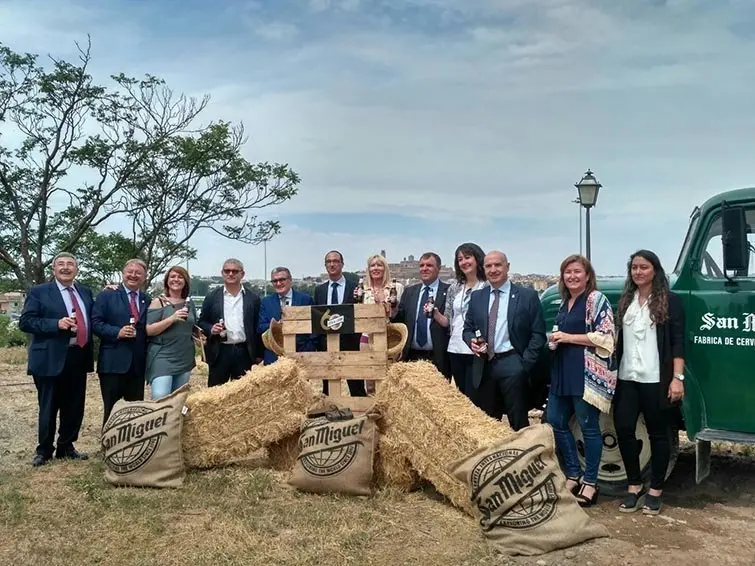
(57,315)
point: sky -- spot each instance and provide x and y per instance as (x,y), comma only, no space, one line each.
(417,125)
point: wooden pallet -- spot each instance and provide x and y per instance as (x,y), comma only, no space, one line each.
(335,366)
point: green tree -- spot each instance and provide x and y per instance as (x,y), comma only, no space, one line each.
(139,155)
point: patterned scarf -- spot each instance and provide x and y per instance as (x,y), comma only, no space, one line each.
(600,372)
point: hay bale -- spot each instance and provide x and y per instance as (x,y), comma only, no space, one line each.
(392,469)
(282,455)
(432,425)
(231,421)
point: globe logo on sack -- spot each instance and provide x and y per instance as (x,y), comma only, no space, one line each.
(131,437)
(512,488)
(325,447)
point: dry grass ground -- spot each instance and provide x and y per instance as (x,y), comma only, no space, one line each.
(64,513)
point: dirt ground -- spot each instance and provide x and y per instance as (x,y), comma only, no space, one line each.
(712,523)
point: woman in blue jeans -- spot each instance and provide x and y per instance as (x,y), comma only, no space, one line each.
(170,325)
(581,383)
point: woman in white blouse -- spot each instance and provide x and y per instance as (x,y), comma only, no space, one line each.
(470,276)
(650,352)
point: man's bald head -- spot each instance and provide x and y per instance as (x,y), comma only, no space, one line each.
(496,268)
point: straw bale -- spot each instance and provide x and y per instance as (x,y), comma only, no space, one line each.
(392,469)
(433,425)
(282,455)
(231,421)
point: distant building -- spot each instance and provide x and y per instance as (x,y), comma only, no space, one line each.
(12,303)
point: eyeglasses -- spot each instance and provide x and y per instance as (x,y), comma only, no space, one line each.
(328,261)
(231,271)
(278,281)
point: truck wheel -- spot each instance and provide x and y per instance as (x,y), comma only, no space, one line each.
(612,477)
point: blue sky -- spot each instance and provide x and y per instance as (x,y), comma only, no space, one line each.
(421,124)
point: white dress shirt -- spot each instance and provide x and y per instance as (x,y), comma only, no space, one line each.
(421,315)
(69,306)
(502,339)
(641,361)
(233,317)
(341,289)
(287,299)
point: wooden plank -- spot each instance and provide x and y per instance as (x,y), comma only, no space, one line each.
(360,311)
(328,372)
(289,344)
(380,342)
(294,327)
(334,342)
(334,388)
(361,325)
(358,404)
(364,358)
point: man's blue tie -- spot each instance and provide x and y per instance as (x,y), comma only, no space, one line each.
(421,329)
(334,293)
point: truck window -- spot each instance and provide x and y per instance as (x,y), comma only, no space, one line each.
(711,263)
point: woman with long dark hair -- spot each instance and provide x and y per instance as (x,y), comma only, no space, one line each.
(582,380)
(469,262)
(650,351)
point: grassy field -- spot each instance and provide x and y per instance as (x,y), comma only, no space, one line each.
(65,514)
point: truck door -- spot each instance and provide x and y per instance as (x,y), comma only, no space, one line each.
(720,313)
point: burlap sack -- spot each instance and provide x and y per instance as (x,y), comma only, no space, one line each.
(521,494)
(336,456)
(141,442)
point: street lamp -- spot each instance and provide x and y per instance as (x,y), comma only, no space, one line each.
(588,188)
(579,210)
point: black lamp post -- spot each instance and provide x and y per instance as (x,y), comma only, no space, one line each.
(588,188)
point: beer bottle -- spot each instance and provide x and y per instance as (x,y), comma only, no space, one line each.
(430,307)
(393,294)
(478,339)
(74,328)
(224,332)
(359,292)
(553,345)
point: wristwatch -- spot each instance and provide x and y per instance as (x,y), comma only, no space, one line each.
(679,376)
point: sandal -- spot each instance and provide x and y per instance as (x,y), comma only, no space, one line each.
(587,501)
(575,490)
(653,504)
(632,501)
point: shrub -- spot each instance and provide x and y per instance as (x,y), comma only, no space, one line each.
(10,334)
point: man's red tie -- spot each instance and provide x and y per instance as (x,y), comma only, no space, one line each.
(134,308)
(81,320)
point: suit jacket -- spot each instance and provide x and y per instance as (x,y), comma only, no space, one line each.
(525,323)
(212,312)
(349,342)
(270,308)
(43,308)
(407,313)
(670,338)
(111,312)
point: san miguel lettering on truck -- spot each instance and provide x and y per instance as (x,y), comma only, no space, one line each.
(506,479)
(744,324)
(128,445)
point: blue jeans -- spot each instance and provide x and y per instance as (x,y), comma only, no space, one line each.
(560,410)
(164,385)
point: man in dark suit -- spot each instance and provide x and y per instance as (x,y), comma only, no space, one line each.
(512,329)
(123,344)
(230,316)
(57,315)
(271,307)
(338,291)
(427,339)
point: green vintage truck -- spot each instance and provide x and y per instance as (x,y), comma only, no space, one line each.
(715,278)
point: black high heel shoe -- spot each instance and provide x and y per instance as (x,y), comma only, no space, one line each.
(587,501)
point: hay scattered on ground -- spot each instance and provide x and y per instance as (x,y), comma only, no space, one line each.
(231,421)
(392,469)
(431,424)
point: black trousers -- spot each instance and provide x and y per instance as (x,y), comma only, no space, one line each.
(64,394)
(630,400)
(114,386)
(232,362)
(461,370)
(503,390)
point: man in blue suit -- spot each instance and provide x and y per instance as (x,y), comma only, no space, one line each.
(123,343)
(272,305)
(57,316)
(512,328)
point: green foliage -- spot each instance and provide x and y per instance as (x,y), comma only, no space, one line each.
(10,335)
(144,159)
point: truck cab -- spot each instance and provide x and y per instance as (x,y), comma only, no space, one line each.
(715,278)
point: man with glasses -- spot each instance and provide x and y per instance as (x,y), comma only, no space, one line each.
(337,290)
(230,316)
(272,308)
(57,315)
